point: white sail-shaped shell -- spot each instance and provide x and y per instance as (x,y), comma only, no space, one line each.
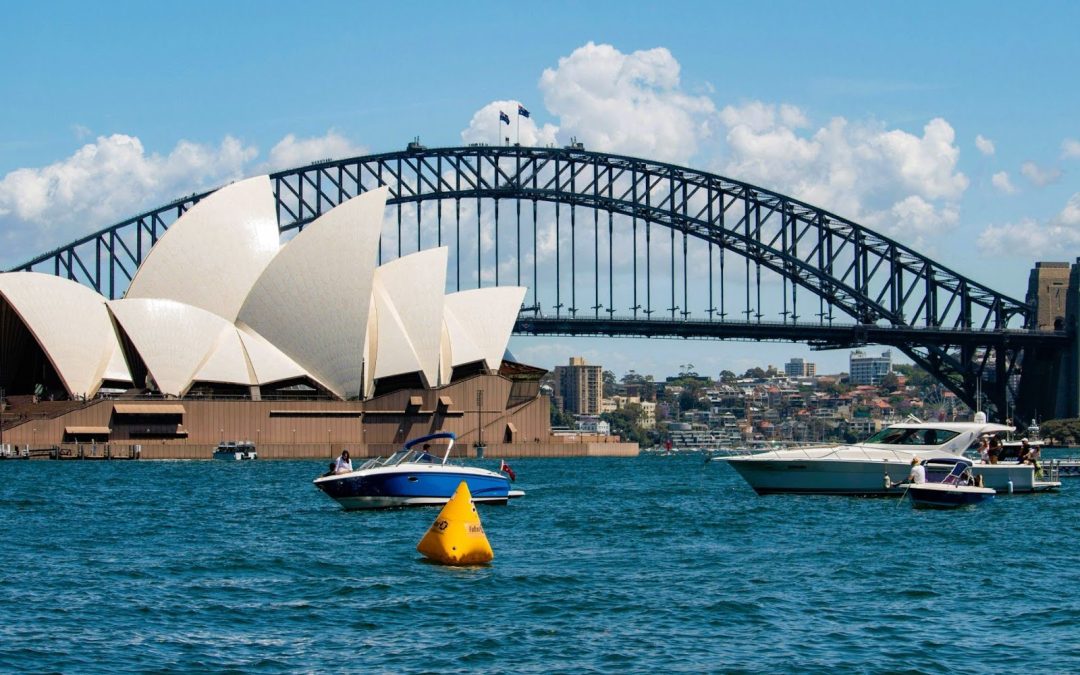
(485,319)
(409,300)
(211,255)
(228,362)
(174,340)
(268,362)
(312,301)
(72,326)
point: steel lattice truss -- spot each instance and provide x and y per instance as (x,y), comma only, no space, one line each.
(657,229)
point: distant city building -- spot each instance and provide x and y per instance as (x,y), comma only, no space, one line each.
(798,367)
(866,369)
(647,420)
(648,415)
(594,425)
(581,385)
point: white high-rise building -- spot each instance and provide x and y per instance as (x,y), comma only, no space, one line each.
(866,369)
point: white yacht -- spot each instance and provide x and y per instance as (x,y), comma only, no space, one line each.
(872,466)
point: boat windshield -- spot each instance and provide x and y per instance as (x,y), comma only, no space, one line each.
(396,458)
(901,436)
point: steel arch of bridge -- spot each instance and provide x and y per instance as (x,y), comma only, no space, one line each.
(958,329)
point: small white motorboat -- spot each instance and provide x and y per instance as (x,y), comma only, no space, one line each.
(949,485)
(234,451)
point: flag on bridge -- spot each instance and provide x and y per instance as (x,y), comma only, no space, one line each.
(503,117)
(503,466)
(522,111)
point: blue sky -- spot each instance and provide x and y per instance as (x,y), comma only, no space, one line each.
(954,127)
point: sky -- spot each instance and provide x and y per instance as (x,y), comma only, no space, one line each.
(952,127)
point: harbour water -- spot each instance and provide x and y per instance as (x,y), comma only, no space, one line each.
(606,565)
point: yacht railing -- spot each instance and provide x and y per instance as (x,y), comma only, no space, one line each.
(1051,470)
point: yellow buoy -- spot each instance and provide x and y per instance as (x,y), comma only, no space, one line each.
(457,537)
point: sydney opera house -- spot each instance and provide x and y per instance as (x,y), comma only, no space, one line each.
(303,347)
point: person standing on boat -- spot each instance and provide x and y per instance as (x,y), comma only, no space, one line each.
(1028,454)
(984,450)
(343,463)
(995,449)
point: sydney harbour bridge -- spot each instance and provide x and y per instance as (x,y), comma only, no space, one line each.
(611,245)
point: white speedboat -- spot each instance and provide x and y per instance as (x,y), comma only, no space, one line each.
(874,465)
(236,451)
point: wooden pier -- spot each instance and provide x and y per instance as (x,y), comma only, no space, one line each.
(73,451)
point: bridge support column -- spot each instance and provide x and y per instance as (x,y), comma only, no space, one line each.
(1050,380)
(1072,319)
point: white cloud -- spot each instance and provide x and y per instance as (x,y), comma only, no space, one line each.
(984,145)
(900,183)
(1000,180)
(1029,238)
(903,183)
(1070,148)
(1070,215)
(292,152)
(1039,176)
(113,177)
(486,127)
(626,103)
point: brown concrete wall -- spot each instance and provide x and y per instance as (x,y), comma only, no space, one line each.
(320,451)
(321,429)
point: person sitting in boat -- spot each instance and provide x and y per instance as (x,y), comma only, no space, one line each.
(343,463)
(424,455)
(918,472)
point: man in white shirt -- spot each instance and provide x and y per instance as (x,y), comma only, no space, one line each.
(918,472)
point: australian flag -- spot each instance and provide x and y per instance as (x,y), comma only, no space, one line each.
(503,117)
(522,111)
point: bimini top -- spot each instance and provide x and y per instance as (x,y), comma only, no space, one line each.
(430,437)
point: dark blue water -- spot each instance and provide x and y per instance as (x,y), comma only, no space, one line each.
(606,565)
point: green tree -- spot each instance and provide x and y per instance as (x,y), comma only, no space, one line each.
(915,376)
(1064,431)
(561,419)
(890,382)
(687,400)
(624,423)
